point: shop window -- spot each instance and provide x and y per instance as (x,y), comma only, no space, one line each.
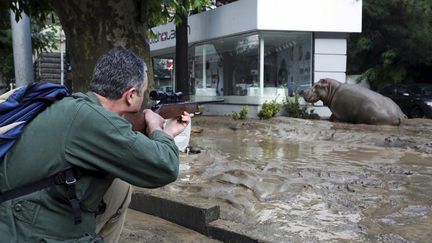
(287,61)
(226,66)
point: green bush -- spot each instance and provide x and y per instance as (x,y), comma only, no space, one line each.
(241,115)
(269,110)
(293,108)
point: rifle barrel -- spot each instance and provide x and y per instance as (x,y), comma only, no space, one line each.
(167,111)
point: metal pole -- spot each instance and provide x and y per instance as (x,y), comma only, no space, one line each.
(261,65)
(22,49)
(61,61)
(204,68)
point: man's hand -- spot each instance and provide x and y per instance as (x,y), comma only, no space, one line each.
(174,127)
(153,121)
(150,121)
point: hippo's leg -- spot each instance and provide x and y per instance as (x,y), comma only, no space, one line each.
(333,118)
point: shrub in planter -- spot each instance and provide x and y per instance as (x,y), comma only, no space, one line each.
(293,108)
(269,109)
(241,115)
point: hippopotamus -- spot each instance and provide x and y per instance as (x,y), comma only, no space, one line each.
(354,104)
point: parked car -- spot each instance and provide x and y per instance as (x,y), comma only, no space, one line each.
(415,100)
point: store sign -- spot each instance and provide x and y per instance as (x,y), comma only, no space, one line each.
(163,36)
(166,35)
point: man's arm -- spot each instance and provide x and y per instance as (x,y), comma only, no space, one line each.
(103,141)
(167,111)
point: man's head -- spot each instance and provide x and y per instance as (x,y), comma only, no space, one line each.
(120,75)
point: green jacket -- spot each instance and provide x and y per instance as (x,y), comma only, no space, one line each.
(77,132)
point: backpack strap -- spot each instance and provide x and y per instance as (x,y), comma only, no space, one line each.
(74,202)
(66,177)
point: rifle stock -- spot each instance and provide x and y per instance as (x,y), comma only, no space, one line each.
(137,120)
(167,111)
(169,106)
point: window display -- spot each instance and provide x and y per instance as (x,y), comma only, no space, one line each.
(225,67)
(287,60)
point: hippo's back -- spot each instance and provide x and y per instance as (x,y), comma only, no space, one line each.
(366,106)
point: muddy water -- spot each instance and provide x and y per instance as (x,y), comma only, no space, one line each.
(296,180)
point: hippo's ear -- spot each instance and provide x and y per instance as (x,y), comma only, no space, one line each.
(323,83)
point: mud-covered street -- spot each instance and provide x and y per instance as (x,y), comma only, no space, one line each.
(286,179)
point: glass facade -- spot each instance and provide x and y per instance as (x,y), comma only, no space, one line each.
(231,66)
(287,61)
(225,67)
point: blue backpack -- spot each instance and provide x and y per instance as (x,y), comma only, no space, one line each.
(22,105)
(17,108)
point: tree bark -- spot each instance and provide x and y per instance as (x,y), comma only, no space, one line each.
(181,60)
(93,27)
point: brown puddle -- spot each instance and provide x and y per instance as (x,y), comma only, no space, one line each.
(314,181)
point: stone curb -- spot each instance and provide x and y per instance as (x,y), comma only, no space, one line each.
(201,218)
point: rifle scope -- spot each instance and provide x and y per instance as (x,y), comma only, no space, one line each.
(166,97)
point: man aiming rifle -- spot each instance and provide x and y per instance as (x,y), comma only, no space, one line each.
(91,151)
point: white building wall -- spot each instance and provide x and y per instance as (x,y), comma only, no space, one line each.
(330,57)
(330,61)
(310,15)
(274,15)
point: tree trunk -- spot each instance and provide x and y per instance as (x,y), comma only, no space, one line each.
(93,27)
(181,67)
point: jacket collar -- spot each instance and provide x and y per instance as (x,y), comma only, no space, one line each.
(89,96)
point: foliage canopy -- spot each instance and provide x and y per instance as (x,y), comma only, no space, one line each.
(395,45)
(133,18)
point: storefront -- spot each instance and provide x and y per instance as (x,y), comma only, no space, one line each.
(251,51)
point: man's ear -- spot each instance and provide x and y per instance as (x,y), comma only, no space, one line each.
(129,95)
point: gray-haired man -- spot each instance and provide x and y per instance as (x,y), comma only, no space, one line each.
(87,133)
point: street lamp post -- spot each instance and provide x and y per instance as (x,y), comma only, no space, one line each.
(22,49)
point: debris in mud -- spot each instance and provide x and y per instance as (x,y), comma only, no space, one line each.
(235,125)
(192,150)
(348,187)
(395,141)
(197,130)
(425,148)
(393,238)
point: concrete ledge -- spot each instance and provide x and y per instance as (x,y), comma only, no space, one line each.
(190,216)
(202,217)
(229,232)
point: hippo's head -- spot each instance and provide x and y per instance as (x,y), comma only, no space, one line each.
(320,90)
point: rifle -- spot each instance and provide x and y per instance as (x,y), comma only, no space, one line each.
(168,105)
